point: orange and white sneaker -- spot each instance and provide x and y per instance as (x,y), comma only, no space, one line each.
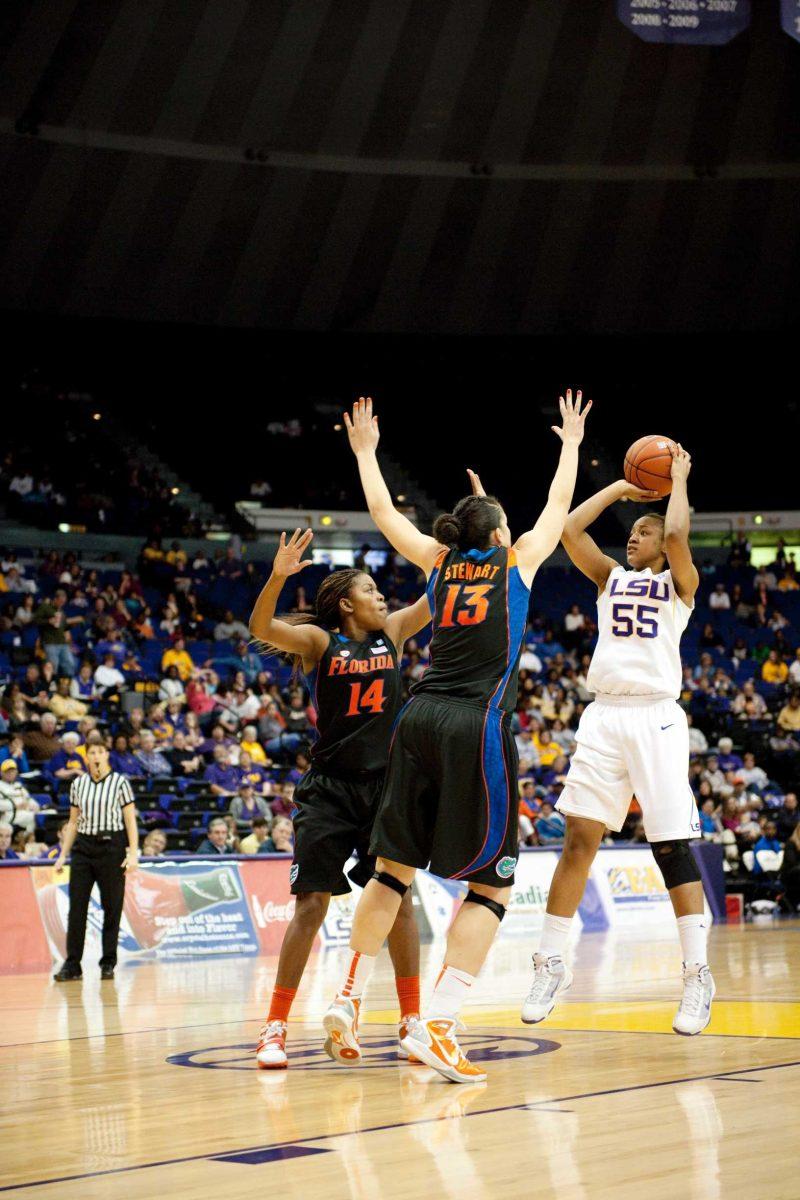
(271,1048)
(433,1042)
(341,1025)
(402,1031)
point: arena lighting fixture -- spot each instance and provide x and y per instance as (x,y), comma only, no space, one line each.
(326,520)
(337,428)
(401,499)
(758,519)
(595,462)
(175,491)
(64,528)
(96,416)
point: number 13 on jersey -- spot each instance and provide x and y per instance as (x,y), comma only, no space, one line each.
(465,605)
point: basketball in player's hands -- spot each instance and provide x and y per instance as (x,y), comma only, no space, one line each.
(648,464)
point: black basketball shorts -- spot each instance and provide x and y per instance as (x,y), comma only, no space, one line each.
(333,819)
(449,801)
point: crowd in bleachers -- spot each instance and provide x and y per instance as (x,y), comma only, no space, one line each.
(157,662)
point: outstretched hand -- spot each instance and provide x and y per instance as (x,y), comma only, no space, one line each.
(362,427)
(681,462)
(475,483)
(289,558)
(572,418)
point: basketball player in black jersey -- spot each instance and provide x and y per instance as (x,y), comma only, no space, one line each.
(450,798)
(349,649)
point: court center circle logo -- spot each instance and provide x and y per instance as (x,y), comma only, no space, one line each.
(378,1050)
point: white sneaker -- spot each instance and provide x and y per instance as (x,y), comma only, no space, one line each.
(271,1048)
(694,1010)
(341,1025)
(551,976)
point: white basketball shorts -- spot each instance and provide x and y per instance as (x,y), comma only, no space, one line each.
(633,747)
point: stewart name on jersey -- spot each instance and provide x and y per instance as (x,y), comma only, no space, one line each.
(356,690)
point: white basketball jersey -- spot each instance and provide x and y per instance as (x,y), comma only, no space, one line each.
(640,620)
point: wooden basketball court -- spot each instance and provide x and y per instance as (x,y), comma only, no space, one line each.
(147,1086)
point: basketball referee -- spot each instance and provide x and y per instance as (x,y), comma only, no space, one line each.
(104,839)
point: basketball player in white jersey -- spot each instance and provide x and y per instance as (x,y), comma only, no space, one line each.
(634,738)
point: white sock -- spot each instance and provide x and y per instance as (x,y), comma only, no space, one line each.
(452,989)
(359,969)
(555,933)
(693,932)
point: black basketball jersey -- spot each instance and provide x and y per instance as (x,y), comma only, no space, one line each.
(356,689)
(479,605)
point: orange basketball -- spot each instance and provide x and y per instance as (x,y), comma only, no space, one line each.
(648,464)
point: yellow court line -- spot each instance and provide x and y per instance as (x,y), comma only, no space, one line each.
(732,1018)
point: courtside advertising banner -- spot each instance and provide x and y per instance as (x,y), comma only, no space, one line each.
(173,910)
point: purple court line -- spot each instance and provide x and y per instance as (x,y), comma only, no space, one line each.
(88,1037)
(326,1137)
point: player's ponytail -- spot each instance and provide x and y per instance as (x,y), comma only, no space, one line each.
(326,612)
(471,523)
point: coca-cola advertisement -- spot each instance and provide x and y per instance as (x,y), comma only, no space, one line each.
(266,887)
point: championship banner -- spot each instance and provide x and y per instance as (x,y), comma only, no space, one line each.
(173,910)
(686,22)
(790,18)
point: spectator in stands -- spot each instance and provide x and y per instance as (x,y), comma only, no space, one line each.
(82,685)
(229,628)
(719,600)
(15,749)
(257,836)
(17,805)
(547,749)
(574,625)
(151,761)
(280,840)
(179,657)
(199,694)
(6,835)
(752,775)
(767,841)
(254,773)
(749,696)
(530,661)
(246,804)
(787,816)
(789,716)
(790,869)
(65,707)
(217,840)
(710,823)
(550,825)
(222,777)
(123,761)
(41,744)
(728,761)
(273,733)
(171,686)
(54,632)
(251,745)
(67,763)
(774,670)
(108,679)
(154,844)
(231,565)
(185,762)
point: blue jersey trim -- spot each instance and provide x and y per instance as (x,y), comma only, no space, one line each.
(497,788)
(519,595)
(480,555)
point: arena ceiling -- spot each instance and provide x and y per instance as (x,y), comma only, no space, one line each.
(478,166)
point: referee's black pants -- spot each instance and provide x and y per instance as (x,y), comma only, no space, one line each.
(95,859)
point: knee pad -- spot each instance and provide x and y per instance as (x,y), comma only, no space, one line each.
(389,881)
(676,863)
(493,906)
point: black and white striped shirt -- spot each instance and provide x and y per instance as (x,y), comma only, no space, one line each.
(100,803)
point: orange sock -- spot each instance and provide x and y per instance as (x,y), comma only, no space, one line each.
(408,994)
(281,1003)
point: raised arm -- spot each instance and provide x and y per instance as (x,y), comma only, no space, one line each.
(404,623)
(363,432)
(676,528)
(309,641)
(540,542)
(582,549)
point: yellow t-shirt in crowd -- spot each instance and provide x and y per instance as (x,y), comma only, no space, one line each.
(256,752)
(774,672)
(789,718)
(180,659)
